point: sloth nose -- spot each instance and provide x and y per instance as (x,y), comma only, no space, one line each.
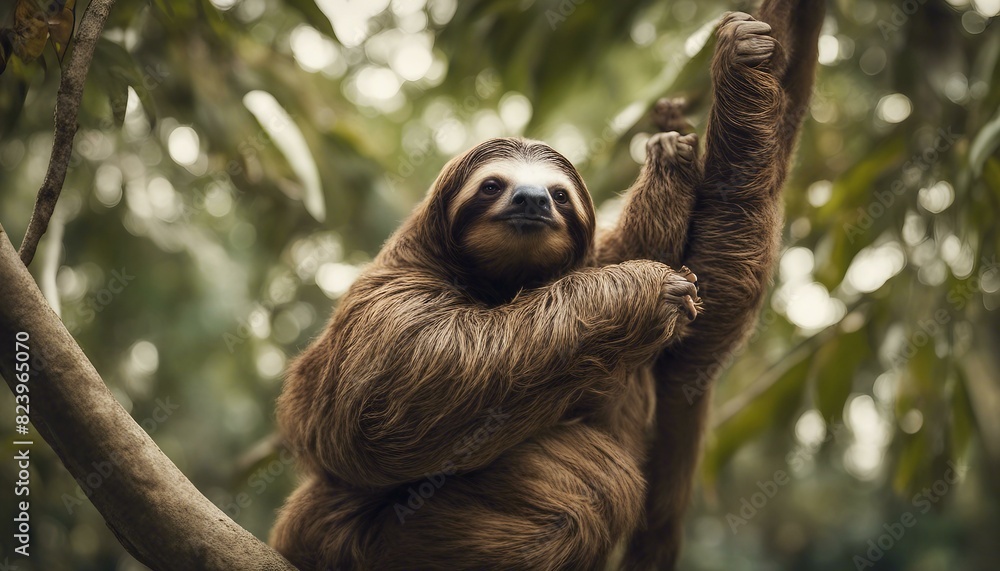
(532,200)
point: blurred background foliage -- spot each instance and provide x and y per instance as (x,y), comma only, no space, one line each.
(239,160)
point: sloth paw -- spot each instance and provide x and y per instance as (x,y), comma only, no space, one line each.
(750,41)
(672,149)
(682,291)
(668,115)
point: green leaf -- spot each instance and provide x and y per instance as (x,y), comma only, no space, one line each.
(290,141)
(911,459)
(164,7)
(962,417)
(922,370)
(118,94)
(856,187)
(118,69)
(991,174)
(12,99)
(984,145)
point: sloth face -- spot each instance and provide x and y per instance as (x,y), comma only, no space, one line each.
(522,217)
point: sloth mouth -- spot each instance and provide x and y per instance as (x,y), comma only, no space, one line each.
(526,223)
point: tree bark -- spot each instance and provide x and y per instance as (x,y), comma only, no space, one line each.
(153,509)
(74,76)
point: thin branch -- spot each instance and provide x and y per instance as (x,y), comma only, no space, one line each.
(260,451)
(777,370)
(74,76)
(771,376)
(152,508)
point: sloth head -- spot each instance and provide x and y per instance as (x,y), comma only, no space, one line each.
(505,215)
(517,212)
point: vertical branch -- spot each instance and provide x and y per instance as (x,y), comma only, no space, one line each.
(74,76)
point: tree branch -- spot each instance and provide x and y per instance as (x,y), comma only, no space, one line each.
(777,370)
(153,509)
(74,76)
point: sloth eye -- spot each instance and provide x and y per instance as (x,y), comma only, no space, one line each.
(560,196)
(490,187)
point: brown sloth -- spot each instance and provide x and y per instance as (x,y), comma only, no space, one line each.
(499,390)
(484,362)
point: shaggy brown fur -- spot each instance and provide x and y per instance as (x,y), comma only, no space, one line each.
(451,421)
(461,413)
(763,77)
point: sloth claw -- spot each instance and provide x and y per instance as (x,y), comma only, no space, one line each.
(689,275)
(672,148)
(683,293)
(689,308)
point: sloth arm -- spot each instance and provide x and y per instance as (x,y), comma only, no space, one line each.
(761,92)
(417,381)
(654,221)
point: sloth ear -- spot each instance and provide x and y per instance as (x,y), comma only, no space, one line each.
(428,228)
(450,180)
(443,191)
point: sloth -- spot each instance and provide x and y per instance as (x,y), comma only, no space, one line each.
(503,389)
(485,313)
